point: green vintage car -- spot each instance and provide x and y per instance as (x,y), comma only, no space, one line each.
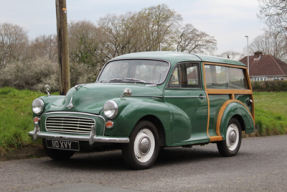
(142,102)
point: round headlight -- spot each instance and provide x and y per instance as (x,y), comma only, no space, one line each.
(38,106)
(110,109)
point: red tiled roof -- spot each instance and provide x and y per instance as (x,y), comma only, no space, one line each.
(266,65)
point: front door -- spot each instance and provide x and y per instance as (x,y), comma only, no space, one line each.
(187,98)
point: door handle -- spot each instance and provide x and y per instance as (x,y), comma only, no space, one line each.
(201,96)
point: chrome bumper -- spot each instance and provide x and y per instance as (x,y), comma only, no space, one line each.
(91,138)
(100,139)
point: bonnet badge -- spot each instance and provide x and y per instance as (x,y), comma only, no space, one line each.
(70,105)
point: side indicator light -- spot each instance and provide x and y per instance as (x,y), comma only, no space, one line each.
(109,124)
(36,119)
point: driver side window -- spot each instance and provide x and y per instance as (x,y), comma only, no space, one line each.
(185,75)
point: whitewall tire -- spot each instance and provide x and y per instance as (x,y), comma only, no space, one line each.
(230,146)
(143,148)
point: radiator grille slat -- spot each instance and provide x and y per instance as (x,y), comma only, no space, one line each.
(65,124)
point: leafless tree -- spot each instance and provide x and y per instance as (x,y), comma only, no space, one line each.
(190,39)
(13,43)
(270,43)
(43,46)
(274,13)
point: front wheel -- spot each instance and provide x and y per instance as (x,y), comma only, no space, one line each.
(56,154)
(143,148)
(231,145)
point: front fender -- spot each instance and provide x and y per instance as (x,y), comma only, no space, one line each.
(131,110)
(233,108)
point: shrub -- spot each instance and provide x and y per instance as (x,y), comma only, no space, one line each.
(269,86)
(31,75)
(82,73)
(35,74)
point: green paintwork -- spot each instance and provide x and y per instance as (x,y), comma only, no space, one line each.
(244,99)
(90,98)
(190,114)
(184,119)
(131,110)
(233,109)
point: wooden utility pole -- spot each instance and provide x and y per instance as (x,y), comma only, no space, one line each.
(63,46)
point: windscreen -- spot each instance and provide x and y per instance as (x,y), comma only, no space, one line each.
(136,71)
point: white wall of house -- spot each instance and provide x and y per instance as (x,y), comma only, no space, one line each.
(264,78)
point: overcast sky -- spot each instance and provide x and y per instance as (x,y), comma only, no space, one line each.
(229,21)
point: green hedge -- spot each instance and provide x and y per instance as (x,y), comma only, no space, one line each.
(269,86)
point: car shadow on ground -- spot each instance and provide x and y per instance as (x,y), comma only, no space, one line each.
(112,160)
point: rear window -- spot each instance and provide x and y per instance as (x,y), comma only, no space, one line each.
(222,77)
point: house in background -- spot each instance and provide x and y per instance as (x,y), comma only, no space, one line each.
(265,67)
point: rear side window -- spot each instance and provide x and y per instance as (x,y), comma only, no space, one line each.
(221,77)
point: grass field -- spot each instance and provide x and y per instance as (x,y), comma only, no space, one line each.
(16,116)
(271,112)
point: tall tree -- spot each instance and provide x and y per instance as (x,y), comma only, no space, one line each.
(85,43)
(158,23)
(121,34)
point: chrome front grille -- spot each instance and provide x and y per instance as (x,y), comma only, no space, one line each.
(67,124)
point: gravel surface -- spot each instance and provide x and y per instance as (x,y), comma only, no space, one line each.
(261,165)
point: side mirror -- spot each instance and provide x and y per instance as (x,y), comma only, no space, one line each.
(47,88)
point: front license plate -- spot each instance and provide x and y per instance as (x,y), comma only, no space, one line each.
(63,145)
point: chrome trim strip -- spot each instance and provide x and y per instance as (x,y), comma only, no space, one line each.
(144,96)
(185,96)
(71,112)
(99,139)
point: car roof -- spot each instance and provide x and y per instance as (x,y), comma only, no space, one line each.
(175,57)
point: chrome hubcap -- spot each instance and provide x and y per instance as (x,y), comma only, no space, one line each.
(232,137)
(144,145)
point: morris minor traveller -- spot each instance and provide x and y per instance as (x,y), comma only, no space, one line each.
(142,102)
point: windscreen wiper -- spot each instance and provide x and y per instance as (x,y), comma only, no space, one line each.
(134,80)
(116,80)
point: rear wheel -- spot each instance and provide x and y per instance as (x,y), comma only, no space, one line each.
(56,154)
(143,148)
(231,145)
